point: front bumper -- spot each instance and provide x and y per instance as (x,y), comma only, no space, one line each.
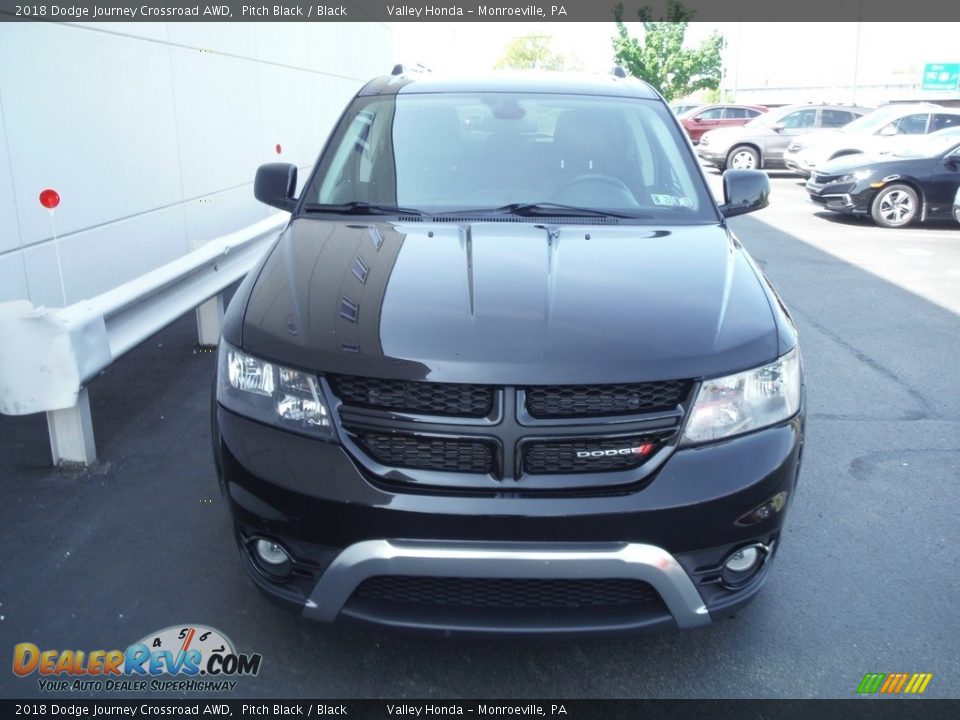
(712,155)
(848,198)
(343,528)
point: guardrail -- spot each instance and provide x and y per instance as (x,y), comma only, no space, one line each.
(48,355)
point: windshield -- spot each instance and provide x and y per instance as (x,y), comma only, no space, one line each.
(872,121)
(928,146)
(443,153)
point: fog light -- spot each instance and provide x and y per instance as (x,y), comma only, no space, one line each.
(743,563)
(271,553)
(270,559)
(742,560)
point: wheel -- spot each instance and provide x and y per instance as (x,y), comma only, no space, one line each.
(895,206)
(743,157)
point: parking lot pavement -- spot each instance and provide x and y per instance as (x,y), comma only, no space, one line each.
(866,579)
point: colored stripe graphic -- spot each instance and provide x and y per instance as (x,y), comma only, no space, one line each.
(894,683)
(871,682)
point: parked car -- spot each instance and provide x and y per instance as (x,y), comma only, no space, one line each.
(881,129)
(710,117)
(916,182)
(491,381)
(762,141)
(683,108)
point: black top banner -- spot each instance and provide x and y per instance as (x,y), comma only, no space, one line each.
(478,11)
(433,709)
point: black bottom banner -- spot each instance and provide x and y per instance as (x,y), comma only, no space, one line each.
(853,709)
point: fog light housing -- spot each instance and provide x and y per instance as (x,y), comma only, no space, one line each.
(764,511)
(743,563)
(742,560)
(271,558)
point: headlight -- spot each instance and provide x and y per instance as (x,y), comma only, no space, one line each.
(796,147)
(854,176)
(747,401)
(271,393)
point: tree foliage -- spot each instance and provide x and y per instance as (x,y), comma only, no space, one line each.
(533,52)
(660,57)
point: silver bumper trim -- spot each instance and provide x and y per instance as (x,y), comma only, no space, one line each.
(370,558)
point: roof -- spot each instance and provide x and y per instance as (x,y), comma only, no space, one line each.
(510,81)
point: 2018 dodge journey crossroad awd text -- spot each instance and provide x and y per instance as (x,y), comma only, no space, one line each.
(508,370)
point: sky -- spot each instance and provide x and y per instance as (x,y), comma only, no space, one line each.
(758,55)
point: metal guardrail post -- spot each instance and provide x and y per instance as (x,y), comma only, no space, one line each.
(209,318)
(71,432)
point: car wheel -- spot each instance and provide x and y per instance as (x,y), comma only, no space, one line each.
(743,157)
(895,206)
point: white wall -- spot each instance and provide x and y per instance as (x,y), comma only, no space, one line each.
(152,132)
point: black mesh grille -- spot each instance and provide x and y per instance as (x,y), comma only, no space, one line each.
(415,397)
(507,592)
(564,401)
(560,457)
(428,453)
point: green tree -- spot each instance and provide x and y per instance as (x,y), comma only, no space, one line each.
(533,52)
(660,57)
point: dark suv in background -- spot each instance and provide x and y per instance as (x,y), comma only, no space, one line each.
(507,369)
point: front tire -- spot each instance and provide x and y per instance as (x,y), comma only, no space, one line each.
(895,206)
(743,157)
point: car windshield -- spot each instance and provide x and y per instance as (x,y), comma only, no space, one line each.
(769,118)
(872,121)
(928,146)
(504,152)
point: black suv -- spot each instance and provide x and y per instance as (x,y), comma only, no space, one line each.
(508,370)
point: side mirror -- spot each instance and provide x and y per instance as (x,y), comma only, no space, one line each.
(777,127)
(276,184)
(698,119)
(888,131)
(744,191)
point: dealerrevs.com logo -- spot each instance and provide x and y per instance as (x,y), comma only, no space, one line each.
(180,658)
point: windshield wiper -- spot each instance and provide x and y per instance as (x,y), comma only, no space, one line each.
(538,209)
(359,207)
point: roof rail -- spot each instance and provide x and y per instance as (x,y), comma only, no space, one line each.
(400,68)
(618,71)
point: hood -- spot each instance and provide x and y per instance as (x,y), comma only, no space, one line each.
(851,163)
(510,302)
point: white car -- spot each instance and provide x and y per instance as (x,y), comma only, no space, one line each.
(879,131)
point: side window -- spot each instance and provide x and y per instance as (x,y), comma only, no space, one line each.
(835,118)
(911,124)
(353,162)
(711,114)
(734,113)
(944,121)
(800,119)
(752,113)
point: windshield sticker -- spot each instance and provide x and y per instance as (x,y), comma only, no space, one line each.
(672,201)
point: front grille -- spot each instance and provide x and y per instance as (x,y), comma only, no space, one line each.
(569,401)
(428,453)
(415,397)
(507,592)
(559,457)
(820,179)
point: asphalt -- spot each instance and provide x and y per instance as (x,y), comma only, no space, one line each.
(866,579)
